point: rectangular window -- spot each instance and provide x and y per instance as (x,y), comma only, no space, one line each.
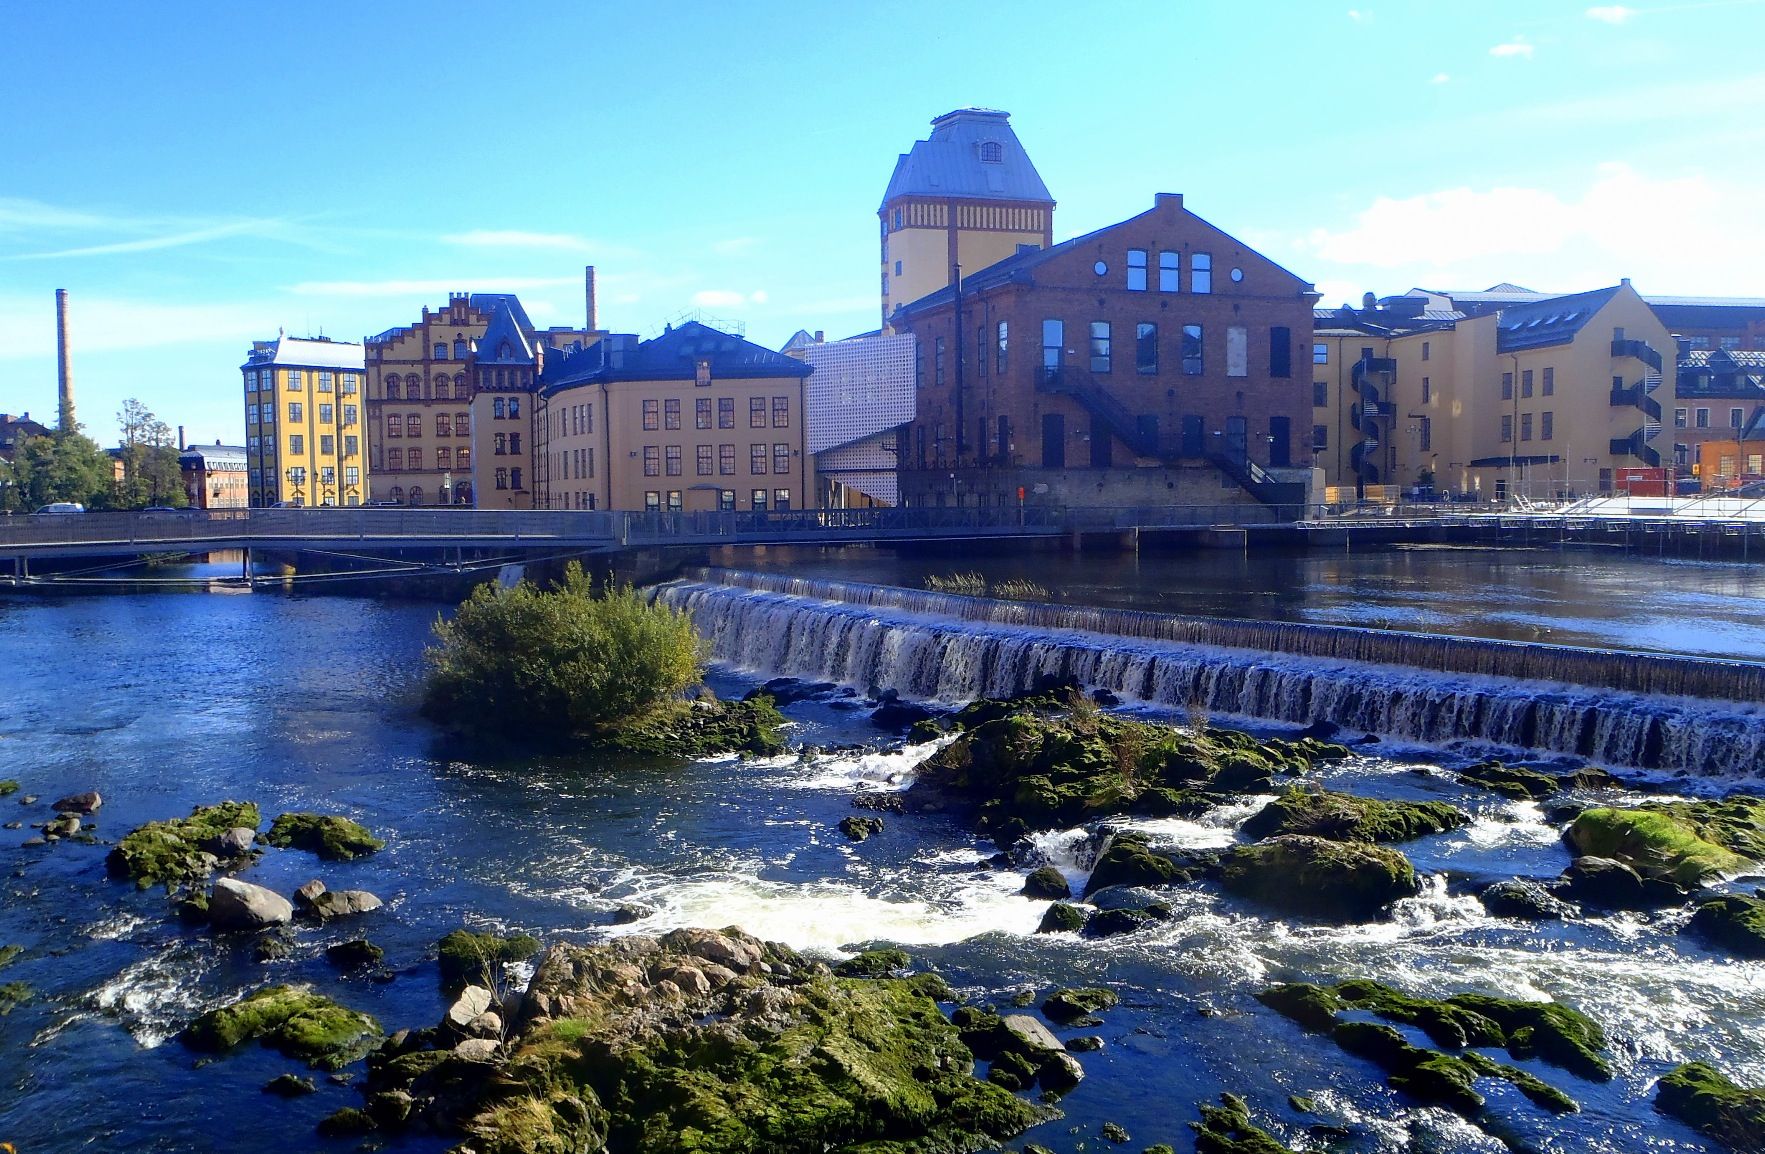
(251,414)
(1703,418)
(324,382)
(726,460)
(588,418)
(463,424)
(1525,426)
(781,500)
(726,412)
(351,445)
(499,409)
(349,384)
(1507,429)
(349,415)
(1192,362)
(1146,349)
(1320,354)
(296,443)
(515,478)
(444,458)
(1526,383)
(500,444)
(1679,421)
(652,460)
(1425,350)
(781,412)
(1507,386)
(671,457)
(296,380)
(702,413)
(1320,436)
(1137,270)
(756,412)
(781,459)
(1736,418)
(1546,426)
(757,460)
(413,458)
(1169,265)
(707,463)
(327,444)
(999,362)
(1053,346)
(652,501)
(1427,432)
(938,361)
(294,411)
(726,500)
(1550,382)
(1320,394)
(413,425)
(1237,351)
(328,474)
(327,414)
(587,462)
(1280,351)
(395,458)
(1730,342)
(1201,272)
(671,414)
(674,502)
(443,425)
(352,475)
(1100,346)
(758,499)
(652,416)
(1427,391)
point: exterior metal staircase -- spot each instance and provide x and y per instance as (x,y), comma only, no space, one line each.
(1638,396)
(1368,413)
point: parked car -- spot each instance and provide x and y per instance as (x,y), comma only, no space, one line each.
(57,508)
(383,503)
(160,509)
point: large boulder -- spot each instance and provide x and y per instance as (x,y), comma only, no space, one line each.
(344,903)
(1318,878)
(1345,817)
(292,1019)
(1046,884)
(1687,843)
(1130,861)
(331,837)
(237,905)
(82,803)
(1700,1096)
(178,850)
(1526,900)
(1735,922)
(1613,885)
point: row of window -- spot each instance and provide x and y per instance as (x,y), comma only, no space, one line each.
(1546,427)
(324,380)
(297,444)
(653,500)
(509,478)
(411,425)
(1170,271)
(1548,383)
(297,413)
(352,475)
(1732,344)
(411,388)
(1737,418)
(666,460)
(412,458)
(460,349)
(659,415)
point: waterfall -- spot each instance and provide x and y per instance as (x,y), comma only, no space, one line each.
(1437,690)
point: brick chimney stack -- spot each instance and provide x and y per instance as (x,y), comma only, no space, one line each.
(64,363)
(588,290)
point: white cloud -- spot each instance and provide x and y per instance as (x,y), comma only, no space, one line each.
(1611,13)
(1515,47)
(400,288)
(1440,78)
(515,238)
(727,299)
(1358,16)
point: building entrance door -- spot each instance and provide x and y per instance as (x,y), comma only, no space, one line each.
(1237,439)
(1053,440)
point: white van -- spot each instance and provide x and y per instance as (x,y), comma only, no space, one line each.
(59,507)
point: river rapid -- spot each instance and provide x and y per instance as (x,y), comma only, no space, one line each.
(162,702)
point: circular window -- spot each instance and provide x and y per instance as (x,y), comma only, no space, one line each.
(1100,269)
(1237,275)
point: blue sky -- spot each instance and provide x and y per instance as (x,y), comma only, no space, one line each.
(202,174)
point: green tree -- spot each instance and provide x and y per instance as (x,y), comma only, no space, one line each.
(151,475)
(63,466)
(523,661)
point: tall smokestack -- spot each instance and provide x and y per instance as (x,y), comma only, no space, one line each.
(63,363)
(180,438)
(588,289)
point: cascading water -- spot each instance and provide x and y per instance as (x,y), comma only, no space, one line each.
(941,647)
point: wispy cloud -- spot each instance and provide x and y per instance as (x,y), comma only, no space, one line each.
(31,219)
(259,228)
(1440,78)
(1515,47)
(727,299)
(1359,16)
(407,288)
(1610,13)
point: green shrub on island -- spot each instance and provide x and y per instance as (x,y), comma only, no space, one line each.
(292,1019)
(332,838)
(180,849)
(469,959)
(522,660)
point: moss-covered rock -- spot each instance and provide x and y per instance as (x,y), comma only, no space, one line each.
(701,728)
(355,954)
(879,963)
(8,954)
(290,1086)
(1130,861)
(1315,877)
(860,828)
(469,958)
(1687,843)
(1733,921)
(1062,918)
(619,1047)
(348,1122)
(331,837)
(1227,1129)
(1024,769)
(1510,780)
(181,849)
(1078,1005)
(1344,817)
(1047,884)
(1699,1095)
(292,1019)
(12,996)
(8,787)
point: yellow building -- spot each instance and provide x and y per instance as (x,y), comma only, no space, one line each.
(1532,400)
(693,420)
(967,197)
(303,428)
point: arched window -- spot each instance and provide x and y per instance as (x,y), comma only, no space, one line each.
(463,493)
(502,351)
(465,458)
(441,350)
(443,391)
(392,386)
(459,347)
(992,152)
(396,492)
(416,495)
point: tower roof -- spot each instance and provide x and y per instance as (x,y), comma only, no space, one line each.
(973,153)
(504,329)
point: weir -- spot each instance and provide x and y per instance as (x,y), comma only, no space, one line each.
(1623,709)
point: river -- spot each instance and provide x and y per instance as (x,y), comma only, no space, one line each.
(162,702)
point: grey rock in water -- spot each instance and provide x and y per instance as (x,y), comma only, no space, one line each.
(87,802)
(1030,1034)
(64,826)
(234,904)
(1059,1073)
(1523,899)
(308,893)
(236,842)
(343,903)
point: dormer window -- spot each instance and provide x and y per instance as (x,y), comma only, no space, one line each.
(992,152)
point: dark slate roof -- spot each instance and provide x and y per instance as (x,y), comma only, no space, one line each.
(504,327)
(489,302)
(673,356)
(225,456)
(950,164)
(1552,321)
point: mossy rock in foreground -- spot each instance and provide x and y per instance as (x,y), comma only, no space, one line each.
(1345,817)
(1697,1094)
(331,837)
(476,959)
(292,1019)
(8,787)
(1227,1129)
(1734,922)
(12,996)
(1315,877)
(701,729)
(1687,843)
(178,849)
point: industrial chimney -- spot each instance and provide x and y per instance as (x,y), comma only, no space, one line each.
(588,289)
(63,363)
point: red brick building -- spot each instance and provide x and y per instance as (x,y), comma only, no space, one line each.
(1157,361)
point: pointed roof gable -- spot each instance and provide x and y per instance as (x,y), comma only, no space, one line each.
(973,153)
(503,342)
(673,356)
(1551,321)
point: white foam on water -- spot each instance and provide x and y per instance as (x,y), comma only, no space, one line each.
(1517,824)
(884,770)
(1215,829)
(155,997)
